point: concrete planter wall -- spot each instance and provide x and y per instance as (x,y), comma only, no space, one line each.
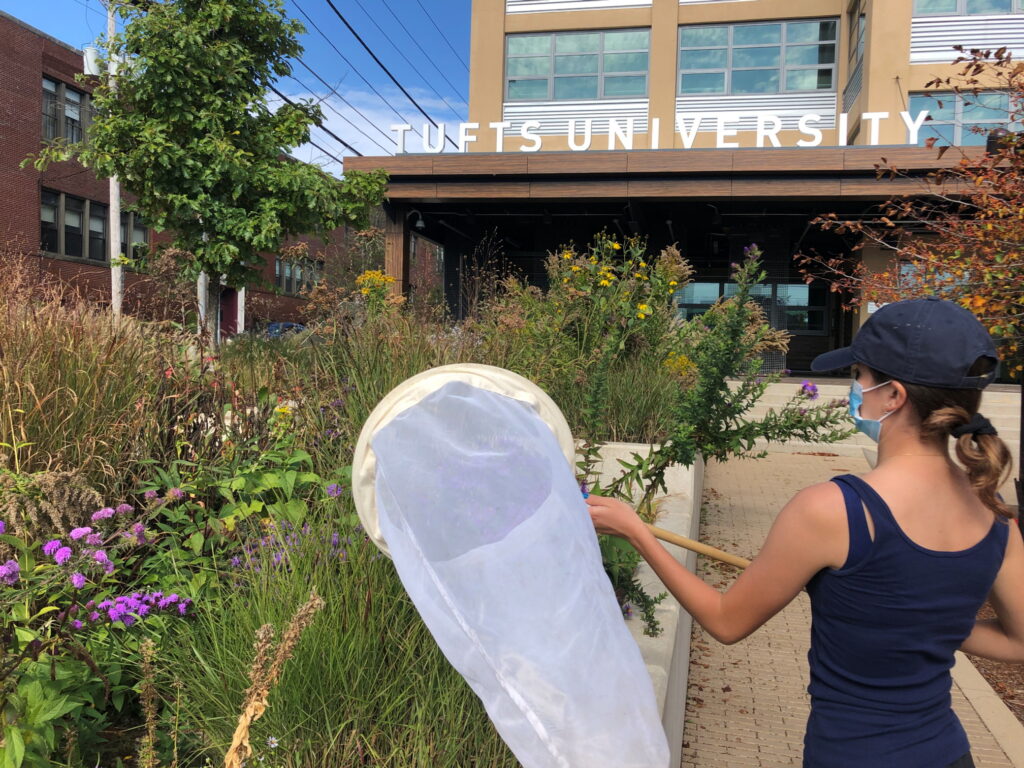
(668,655)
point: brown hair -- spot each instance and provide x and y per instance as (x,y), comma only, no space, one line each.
(985,457)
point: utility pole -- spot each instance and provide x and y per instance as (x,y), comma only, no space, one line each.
(114,235)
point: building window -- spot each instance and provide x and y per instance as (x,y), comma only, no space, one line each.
(64,111)
(296,276)
(858,28)
(955,116)
(79,228)
(966,7)
(778,57)
(608,64)
(795,307)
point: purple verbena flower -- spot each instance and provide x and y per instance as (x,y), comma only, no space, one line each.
(102,514)
(76,624)
(77,580)
(150,495)
(78,533)
(334,490)
(810,389)
(140,533)
(124,509)
(62,555)
(10,572)
(51,546)
(3,527)
(100,557)
(94,616)
(183,607)
(108,568)
(94,540)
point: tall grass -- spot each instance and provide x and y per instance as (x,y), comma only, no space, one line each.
(367,684)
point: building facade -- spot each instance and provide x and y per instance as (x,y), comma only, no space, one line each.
(710,124)
(59,217)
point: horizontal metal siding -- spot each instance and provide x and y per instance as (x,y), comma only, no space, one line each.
(554,116)
(789,107)
(541,6)
(932,37)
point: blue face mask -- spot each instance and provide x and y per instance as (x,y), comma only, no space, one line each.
(870,427)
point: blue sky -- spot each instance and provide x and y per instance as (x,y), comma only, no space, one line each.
(430,65)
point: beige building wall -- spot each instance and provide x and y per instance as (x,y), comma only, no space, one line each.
(887,75)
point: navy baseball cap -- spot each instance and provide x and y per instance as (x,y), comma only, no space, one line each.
(927,341)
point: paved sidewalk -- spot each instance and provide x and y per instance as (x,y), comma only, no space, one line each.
(747,704)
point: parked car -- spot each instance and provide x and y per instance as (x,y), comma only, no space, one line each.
(278,329)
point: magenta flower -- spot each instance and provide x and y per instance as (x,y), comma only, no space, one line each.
(62,555)
(76,624)
(150,495)
(93,539)
(78,533)
(3,527)
(102,514)
(176,494)
(100,557)
(51,546)
(124,509)
(77,580)
(334,490)
(808,388)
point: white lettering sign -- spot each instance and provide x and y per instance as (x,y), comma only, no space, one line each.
(620,133)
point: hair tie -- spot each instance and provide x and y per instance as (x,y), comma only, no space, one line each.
(978,425)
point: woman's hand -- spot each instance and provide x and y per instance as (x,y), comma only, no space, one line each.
(614,517)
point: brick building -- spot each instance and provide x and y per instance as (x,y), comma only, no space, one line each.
(59,217)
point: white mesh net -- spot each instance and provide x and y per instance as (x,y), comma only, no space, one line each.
(492,540)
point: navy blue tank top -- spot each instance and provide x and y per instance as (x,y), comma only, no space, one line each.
(883,632)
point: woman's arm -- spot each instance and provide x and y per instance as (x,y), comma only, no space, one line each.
(1002,638)
(809,534)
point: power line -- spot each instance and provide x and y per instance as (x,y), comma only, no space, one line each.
(457,54)
(386,70)
(406,58)
(338,160)
(347,103)
(349,63)
(328,131)
(328,105)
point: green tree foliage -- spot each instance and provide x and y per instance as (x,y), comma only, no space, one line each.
(188,131)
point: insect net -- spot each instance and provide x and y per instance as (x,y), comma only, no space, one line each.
(492,539)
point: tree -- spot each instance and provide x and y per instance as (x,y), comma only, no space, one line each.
(189,132)
(962,237)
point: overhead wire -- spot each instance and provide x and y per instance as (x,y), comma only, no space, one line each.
(452,47)
(328,131)
(344,58)
(386,70)
(339,114)
(349,104)
(406,58)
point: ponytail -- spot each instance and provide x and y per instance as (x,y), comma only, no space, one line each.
(983,453)
(985,457)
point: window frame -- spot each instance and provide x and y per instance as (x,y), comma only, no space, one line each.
(60,228)
(59,103)
(601,75)
(961,10)
(772,294)
(957,122)
(293,277)
(783,69)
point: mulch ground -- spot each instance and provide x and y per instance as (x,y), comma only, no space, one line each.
(1006,679)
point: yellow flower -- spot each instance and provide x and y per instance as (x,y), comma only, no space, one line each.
(616,246)
(575,268)
(565,279)
(643,307)
(641,315)
(605,282)
(364,291)
(284,410)
(566,254)
(643,263)
(672,282)
(593,259)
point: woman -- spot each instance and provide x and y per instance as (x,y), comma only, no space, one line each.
(896,562)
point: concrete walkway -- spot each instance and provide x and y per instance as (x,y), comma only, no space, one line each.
(747,704)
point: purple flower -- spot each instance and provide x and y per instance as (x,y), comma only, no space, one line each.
(808,388)
(150,495)
(142,610)
(140,533)
(183,607)
(108,568)
(334,490)
(102,514)
(51,546)
(100,557)
(10,572)
(3,526)
(76,624)
(78,533)
(62,555)
(236,562)
(127,619)
(93,539)
(176,494)
(124,509)
(94,616)
(77,580)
